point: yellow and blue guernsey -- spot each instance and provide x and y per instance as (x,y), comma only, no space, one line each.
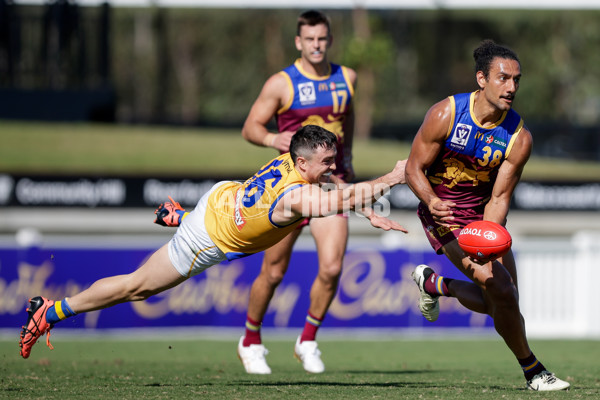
(466,168)
(238,215)
(317,100)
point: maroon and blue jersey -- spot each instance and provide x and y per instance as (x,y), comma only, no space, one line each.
(317,100)
(466,168)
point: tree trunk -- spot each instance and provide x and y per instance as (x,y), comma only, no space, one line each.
(365,94)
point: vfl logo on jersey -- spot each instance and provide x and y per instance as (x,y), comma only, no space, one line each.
(461,135)
(307,93)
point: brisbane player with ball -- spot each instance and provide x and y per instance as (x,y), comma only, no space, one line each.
(465,162)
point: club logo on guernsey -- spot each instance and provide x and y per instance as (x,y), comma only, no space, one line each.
(307,93)
(461,136)
(239,217)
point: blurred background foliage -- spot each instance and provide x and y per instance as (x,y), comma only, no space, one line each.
(219,59)
(205,67)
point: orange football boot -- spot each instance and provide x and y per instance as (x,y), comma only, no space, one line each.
(169,213)
(36,325)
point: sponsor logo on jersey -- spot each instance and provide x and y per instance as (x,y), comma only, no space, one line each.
(500,143)
(238,216)
(337,85)
(489,139)
(307,93)
(461,136)
(323,87)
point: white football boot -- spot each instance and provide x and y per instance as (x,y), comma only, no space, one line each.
(309,354)
(546,381)
(428,304)
(253,358)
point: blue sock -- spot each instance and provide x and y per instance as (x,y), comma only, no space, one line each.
(59,311)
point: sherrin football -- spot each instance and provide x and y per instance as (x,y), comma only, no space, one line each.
(485,240)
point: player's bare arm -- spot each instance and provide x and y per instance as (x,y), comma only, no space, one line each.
(376,220)
(508,177)
(426,146)
(313,201)
(273,95)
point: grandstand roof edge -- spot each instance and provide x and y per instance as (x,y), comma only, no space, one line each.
(340,4)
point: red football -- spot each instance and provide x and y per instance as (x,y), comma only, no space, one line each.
(485,240)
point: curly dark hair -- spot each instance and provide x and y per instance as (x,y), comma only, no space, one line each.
(487,51)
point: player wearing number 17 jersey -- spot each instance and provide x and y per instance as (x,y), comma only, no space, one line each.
(320,100)
(310,91)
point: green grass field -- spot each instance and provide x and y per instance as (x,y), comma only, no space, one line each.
(374,369)
(71,149)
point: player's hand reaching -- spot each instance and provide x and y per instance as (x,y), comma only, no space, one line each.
(381,222)
(386,224)
(441,211)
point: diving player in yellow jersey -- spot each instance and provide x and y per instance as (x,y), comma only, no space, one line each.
(230,221)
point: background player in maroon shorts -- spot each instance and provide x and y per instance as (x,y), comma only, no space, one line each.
(310,91)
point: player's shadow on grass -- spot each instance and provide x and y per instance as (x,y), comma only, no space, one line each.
(420,385)
(411,385)
(393,371)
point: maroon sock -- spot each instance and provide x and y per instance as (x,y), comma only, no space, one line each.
(437,285)
(531,366)
(252,335)
(310,328)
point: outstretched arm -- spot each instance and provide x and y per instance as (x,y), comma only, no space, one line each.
(313,201)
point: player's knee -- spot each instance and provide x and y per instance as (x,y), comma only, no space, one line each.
(135,290)
(502,292)
(330,273)
(272,276)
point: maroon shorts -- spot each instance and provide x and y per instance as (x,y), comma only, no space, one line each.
(440,235)
(307,220)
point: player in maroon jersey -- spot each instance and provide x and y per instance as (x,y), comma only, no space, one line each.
(465,162)
(310,91)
